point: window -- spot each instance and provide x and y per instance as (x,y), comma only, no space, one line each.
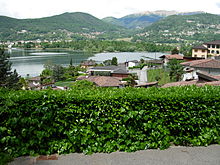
(203,51)
(209,46)
(217,46)
(195,55)
(213,51)
(217,52)
(213,46)
(196,50)
(208,51)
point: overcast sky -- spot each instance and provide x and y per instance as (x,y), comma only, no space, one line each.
(101,8)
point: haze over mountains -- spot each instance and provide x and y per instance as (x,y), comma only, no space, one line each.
(144,19)
(158,26)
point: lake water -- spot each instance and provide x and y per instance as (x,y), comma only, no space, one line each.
(31,61)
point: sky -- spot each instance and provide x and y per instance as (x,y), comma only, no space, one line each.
(101,8)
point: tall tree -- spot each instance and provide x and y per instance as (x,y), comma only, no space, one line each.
(114,61)
(176,70)
(8,79)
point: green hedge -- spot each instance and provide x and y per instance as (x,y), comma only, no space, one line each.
(107,120)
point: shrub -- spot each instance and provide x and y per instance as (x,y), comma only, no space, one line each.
(107,120)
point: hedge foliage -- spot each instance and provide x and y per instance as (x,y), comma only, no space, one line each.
(107,120)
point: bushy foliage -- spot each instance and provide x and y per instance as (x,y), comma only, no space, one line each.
(8,78)
(107,120)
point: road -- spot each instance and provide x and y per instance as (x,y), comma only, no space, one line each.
(175,155)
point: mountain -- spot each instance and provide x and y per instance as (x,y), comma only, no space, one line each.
(182,29)
(62,26)
(144,19)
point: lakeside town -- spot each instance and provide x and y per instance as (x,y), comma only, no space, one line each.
(201,68)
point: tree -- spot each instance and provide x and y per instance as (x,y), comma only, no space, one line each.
(142,61)
(176,70)
(8,79)
(131,80)
(71,62)
(114,61)
(58,72)
(175,51)
(107,62)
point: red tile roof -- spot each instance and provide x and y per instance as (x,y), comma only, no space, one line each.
(173,56)
(180,83)
(206,63)
(105,81)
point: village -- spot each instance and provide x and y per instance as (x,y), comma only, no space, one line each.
(203,68)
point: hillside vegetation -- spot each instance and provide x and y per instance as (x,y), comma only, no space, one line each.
(183,29)
(64,26)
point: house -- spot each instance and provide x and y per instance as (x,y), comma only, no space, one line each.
(210,66)
(131,64)
(34,82)
(207,49)
(203,79)
(88,63)
(114,71)
(167,58)
(105,81)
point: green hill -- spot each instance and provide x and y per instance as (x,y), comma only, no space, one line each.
(182,29)
(64,26)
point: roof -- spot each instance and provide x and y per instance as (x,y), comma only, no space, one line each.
(155,61)
(180,83)
(135,61)
(194,82)
(200,47)
(147,84)
(206,63)
(38,78)
(206,76)
(105,81)
(121,71)
(173,56)
(88,63)
(113,69)
(216,42)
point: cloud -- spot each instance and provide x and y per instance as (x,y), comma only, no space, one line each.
(218,4)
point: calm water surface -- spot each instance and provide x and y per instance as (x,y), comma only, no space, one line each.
(31,61)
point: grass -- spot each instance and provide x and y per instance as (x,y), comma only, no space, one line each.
(5,158)
(162,74)
(64,83)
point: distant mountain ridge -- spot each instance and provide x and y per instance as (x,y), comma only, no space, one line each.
(67,24)
(144,19)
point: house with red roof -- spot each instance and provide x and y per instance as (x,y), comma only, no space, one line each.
(167,58)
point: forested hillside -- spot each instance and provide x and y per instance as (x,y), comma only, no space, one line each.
(64,26)
(182,29)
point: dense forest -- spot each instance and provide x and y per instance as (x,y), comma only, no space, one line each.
(101,46)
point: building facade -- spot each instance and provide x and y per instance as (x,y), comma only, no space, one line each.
(207,49)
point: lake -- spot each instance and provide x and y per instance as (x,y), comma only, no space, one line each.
(31,61)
